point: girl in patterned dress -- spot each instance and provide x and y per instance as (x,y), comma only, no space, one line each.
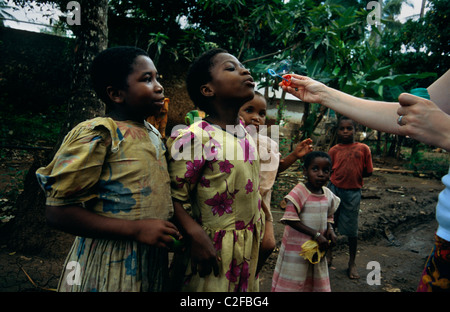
(308,215)
(109,185)
(214,170)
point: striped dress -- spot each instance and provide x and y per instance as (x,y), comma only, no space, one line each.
(292,272)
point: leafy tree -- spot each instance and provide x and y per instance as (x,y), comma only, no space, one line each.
(327,40)
(421,45)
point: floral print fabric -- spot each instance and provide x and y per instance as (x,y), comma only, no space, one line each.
(113,169)
(217,173)
(436,274)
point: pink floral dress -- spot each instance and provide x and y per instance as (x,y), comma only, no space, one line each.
(216,173)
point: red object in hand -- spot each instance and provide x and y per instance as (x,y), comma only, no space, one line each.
(286,80)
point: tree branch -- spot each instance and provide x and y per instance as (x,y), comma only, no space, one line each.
(293,47)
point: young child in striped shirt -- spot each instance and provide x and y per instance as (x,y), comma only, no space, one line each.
(308,216)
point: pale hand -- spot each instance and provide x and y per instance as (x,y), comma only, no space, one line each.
(306,89)
(424,121)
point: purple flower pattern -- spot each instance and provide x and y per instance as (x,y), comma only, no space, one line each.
(217,240)
(249,186)
(193,170)
(222,203)
(204,182)
(225,166)
(234,272)
(248,149)
(240,225)
(243,281)
(238,274)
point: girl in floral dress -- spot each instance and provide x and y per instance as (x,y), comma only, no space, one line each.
(214,170)
(108,184)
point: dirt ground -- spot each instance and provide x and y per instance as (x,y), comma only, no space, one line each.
(396,229)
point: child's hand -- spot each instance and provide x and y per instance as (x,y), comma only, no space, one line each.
(203,255)
(323,243)
(156,232)
(303,148)
(331,236)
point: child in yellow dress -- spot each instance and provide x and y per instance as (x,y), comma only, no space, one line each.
(108,184)
(214,167)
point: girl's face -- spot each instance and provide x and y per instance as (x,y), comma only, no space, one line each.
(318,173)
(145,95)
(254,112)
(231,81)
(346,131)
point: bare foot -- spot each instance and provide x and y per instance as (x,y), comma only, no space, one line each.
(329,258)
(352,272)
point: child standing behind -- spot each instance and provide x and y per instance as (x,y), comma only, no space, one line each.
(308,216)
(352,161)
(253,114)
(108,184)
(214,167)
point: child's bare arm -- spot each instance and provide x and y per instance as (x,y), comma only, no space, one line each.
(80,221)
(366,174)
(302,148)
(203,253)
(330,234)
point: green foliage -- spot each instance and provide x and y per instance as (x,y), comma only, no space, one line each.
(34,81)
(421,45)
(327,40)
(159,40)
(423,160)
(26,128)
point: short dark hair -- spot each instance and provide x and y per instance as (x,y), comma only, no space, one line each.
(257,93)
(199,74)
(307,160)
(111,67)
(346,118)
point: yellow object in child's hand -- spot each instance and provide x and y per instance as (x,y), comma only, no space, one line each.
(311,252)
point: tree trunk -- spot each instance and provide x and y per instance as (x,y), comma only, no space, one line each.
(378,146)
(400,140)
(422,8)
(92,38)
(29,232)
(393,146)
(306,112)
